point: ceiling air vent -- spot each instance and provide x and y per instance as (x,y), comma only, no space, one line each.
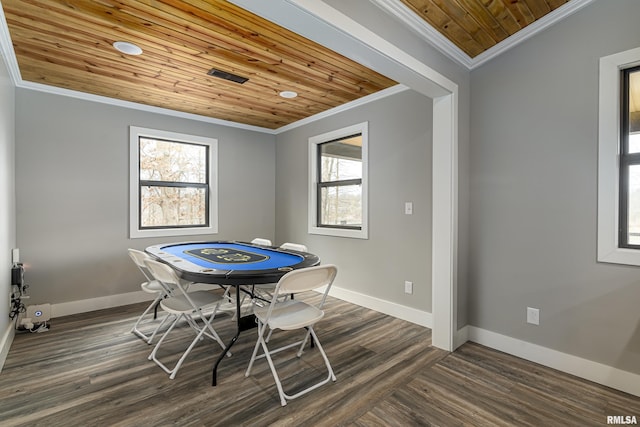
(227,76)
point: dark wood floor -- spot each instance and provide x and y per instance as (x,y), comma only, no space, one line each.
(89,370)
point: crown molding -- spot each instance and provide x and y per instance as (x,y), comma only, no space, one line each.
(158,110)
(399,10)
(137,106)
(541,24)
(429,34)
(6,50)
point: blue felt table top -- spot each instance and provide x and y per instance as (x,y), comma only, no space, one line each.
(275,259)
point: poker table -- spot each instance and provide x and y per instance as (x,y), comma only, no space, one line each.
(231,263)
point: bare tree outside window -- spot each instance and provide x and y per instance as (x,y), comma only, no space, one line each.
(173,184)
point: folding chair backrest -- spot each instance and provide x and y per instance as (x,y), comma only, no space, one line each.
(306,279)
(163,273)
(261,242)
(294,247)
(139,258)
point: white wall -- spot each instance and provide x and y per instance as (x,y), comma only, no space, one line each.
(399,245)
(72,186)
(7,204)
(533,195)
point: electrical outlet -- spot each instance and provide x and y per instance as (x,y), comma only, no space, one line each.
(408,287)
(533,316)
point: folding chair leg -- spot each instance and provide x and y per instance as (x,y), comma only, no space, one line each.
(206,329)
(140,319)
(260,342)
(267,355)
(152,356)
(304,342)
(202,331)
(261,329)
(227,293)
(155,331)
(177,366)
(283,400)
(332,375)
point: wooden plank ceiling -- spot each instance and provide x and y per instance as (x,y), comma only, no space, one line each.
(68,44)
(477,25)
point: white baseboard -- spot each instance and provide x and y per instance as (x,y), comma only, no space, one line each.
(92,304)
(5,343)
(460,337)
(574,365)
(419,317)
(413,315)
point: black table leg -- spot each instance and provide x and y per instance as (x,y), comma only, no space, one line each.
(242,324)
(214,380)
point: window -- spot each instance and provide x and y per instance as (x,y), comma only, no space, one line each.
(619,159)
(338,182)
(630,159)
(173,188)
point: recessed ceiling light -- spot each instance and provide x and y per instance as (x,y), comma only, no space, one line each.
(127,48)
(288,94)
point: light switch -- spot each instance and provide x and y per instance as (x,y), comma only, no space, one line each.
(408,208)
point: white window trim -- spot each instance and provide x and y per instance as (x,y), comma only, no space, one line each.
(134,231)
(608,158)
(314,141)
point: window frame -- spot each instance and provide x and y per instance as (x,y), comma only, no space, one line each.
(609,248)
(332,184)
(626,159)
(135,230)
(314,226)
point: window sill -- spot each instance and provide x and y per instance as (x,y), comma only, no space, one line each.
(340,232)
(171,232)
(620,256)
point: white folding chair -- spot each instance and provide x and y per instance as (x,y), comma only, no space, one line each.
(261,242)
(151,286)
(294,247)
(184,305)
(265,291)
(294,314)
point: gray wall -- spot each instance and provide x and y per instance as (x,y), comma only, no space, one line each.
(533,193)
(72,185)
(7,193)
(386,26)
(399,245)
